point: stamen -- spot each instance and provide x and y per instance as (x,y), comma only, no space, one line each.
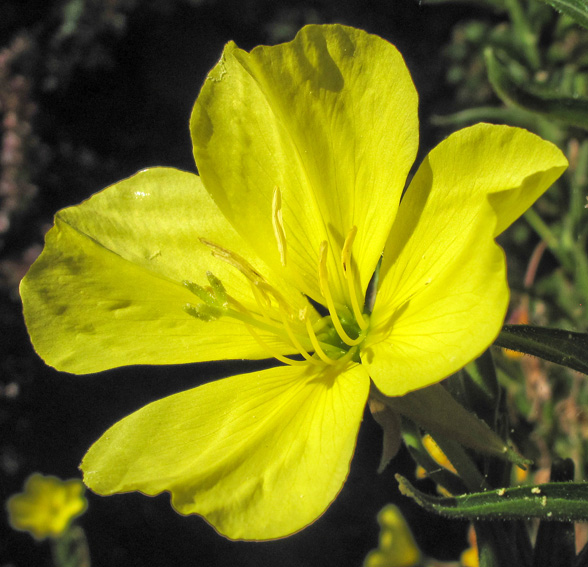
(269,327)
(347,272)
(234,260)
(295,341)
(348,355)
(241,313)
(268,290)
(263,301)
(279,225)
(324,285)
(317,347)
(264,304)
(274,354)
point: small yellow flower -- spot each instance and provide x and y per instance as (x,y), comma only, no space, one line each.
(397,546)
(47,506)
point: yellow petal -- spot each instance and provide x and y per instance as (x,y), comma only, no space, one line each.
(259,455)
(107,290)
(331,120)
(443,291)
(446,323)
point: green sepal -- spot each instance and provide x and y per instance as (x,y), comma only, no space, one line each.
(575,9)
(514,89)
(554,501)
(556,345)
(435,410)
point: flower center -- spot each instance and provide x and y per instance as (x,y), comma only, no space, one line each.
(333,339)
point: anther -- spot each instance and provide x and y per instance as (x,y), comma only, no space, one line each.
(278,225)
(234,260)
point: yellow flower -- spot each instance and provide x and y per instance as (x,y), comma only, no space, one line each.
(303,151)
(397,547)
(47,506)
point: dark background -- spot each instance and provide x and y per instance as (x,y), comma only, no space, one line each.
(109,87)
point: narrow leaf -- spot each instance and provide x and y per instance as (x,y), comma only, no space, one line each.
(556,501)
(575,9)
(556,345)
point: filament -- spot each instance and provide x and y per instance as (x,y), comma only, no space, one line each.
(317,347)
(347,272)
(269,349)
(324,284)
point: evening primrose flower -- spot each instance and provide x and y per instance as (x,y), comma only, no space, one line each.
(47,506)
(303,151)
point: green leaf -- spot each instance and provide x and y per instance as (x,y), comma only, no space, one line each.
(556,345)
(555,501)
(496,5)
(575,9)
(515,89)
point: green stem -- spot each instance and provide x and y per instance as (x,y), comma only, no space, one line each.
(545,233)
(581,268)
(578,189)
(523,32)
(71,548)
